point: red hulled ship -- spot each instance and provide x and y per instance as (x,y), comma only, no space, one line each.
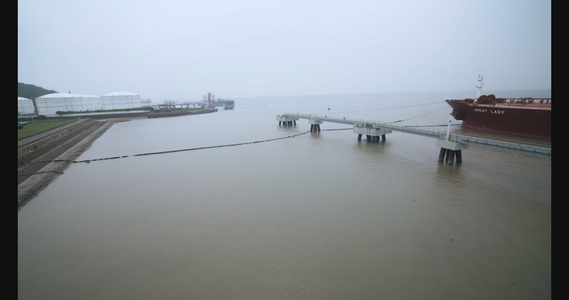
(524,117)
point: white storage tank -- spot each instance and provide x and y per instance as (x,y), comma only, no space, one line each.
(50,104)
(120,100)
(25,106)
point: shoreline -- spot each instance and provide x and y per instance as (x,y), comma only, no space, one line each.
(29,188)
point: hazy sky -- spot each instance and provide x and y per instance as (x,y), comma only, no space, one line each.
(182,49)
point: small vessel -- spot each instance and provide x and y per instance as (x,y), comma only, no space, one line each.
(523,117)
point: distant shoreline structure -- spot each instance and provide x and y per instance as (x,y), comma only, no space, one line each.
(178,112)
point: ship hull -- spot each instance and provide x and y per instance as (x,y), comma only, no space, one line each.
(523,120)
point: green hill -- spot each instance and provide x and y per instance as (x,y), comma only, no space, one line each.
(31,91)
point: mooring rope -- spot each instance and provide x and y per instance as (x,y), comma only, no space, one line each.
(421,115)
(384,108)
(406,106)
(395,107)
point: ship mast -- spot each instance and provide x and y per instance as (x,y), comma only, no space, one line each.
(479,86)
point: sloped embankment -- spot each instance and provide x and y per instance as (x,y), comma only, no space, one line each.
(40,162)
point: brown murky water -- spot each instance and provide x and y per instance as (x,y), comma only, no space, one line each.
(317,216)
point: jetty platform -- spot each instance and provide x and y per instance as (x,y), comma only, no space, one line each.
(451,144)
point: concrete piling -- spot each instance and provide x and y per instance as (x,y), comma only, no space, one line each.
(458,156)
(372,133)
(449,150)
(286,120)
(442,154)
(314,125)
(450,157)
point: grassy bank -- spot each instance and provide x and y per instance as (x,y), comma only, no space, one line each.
(40,126)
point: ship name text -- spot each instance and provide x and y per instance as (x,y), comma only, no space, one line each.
(492,111)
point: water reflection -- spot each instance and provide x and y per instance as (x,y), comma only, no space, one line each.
(318,215)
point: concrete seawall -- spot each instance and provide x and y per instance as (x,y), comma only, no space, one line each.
(31,186)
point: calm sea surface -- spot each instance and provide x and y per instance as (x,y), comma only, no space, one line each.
(315,216)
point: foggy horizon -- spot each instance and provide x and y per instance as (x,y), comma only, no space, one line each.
(185,49)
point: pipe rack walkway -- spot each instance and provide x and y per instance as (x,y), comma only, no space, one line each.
(455,143)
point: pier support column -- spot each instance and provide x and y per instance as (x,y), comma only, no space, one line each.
(450,157)
(286,120)
(442,154)
(314,125)
(458,156)
(372,134)
(450,149)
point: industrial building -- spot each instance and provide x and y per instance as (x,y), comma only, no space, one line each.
(50,104)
